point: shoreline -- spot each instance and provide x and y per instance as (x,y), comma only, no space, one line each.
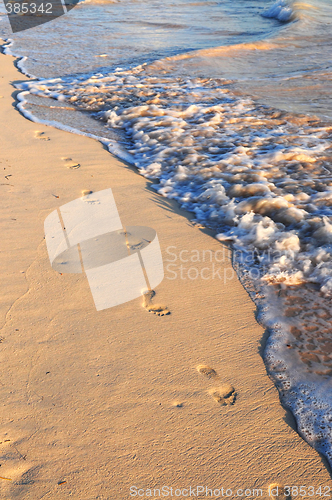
(108,416)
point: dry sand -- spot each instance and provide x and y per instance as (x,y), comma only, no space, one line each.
(93,403)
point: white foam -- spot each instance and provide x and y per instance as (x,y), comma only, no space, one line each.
(113,146)
(7,48)
(279,10)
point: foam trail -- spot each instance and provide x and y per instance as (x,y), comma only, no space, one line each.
(7,49)
(113,146)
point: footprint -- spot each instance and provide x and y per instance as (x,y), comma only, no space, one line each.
(158,309)
(41,135)
(224,395)
(14,465)
(207,371)
(178,404)
(70,163)
(277,492)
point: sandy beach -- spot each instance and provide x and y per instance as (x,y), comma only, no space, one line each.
(94,403)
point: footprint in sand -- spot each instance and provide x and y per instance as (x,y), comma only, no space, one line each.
(14,465)
(224,395)
(178,404)
(277,492)
(70,163)
(207,371)
(158,309)
(41,135)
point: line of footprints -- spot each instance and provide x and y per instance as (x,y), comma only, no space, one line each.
(158,309)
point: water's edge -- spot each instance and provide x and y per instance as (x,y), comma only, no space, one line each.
(123,155)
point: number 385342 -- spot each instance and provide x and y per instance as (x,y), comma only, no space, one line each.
(307,491)
(29,8)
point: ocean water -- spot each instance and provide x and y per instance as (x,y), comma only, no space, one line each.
(227,108)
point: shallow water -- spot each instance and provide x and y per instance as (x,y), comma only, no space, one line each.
(219,129)
(102,34)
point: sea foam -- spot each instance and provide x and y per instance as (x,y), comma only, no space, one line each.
(280,10)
